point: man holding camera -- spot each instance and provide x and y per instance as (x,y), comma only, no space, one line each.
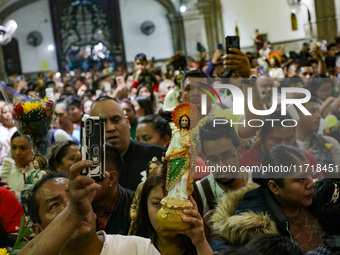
(136,155)
(65,223)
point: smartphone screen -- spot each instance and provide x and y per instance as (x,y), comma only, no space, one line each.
(232,42)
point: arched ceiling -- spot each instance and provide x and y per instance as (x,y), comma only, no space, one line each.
(9,6)
(4,3)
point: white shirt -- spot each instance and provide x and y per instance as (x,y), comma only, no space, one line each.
(7,144)
(4,133)
(276,73)
(14,176)
(131,245)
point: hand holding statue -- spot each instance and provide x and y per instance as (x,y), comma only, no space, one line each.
(178,176)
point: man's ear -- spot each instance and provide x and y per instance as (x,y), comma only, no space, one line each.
(166,141)
(36,228)
(113,176)
(274,187)
(240,151)
(127,121)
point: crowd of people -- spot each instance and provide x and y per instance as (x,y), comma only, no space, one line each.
(234,212)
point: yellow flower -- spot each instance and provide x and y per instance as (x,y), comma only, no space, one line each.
(27,107)
(43,101)
(3,251)
(328,146)
(35,105)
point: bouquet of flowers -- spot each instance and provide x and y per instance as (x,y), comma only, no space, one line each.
(33,117)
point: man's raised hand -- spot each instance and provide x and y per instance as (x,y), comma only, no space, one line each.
(82,188)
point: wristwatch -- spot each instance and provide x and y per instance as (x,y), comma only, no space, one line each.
(250,81)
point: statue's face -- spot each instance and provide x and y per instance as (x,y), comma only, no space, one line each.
(184,122)
(36,164)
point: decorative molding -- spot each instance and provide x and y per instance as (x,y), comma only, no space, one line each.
(14,7)
(326,22)
(168,5)
(174,17)
(212,12)
(176,25)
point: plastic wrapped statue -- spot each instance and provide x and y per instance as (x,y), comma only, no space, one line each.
(32,116)
(39,163)
(179,159)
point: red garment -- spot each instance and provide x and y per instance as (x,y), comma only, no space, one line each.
(155,89)
(11,211)
(135,84)
(251,157)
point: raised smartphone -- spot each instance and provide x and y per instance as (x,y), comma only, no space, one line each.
(232,42)
(93,146)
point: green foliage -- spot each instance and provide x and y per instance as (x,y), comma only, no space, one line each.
(24,232)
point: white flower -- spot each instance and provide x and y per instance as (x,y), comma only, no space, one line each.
(143,174)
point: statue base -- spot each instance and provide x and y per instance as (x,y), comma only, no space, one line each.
(171,213)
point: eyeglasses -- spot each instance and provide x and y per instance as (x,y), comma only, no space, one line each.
(225,159)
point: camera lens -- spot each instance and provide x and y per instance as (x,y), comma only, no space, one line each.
(95,151)
(89,127)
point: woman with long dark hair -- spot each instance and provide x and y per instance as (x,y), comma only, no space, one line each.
(192,241)
(282,204)
(143,107)
(15,170)
(146,90)
(154,129)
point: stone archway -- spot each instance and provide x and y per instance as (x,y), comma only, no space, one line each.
(4,13)
(176,25)
(13,7)
(174,17)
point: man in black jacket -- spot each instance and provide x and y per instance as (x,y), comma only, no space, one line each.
(117,129)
